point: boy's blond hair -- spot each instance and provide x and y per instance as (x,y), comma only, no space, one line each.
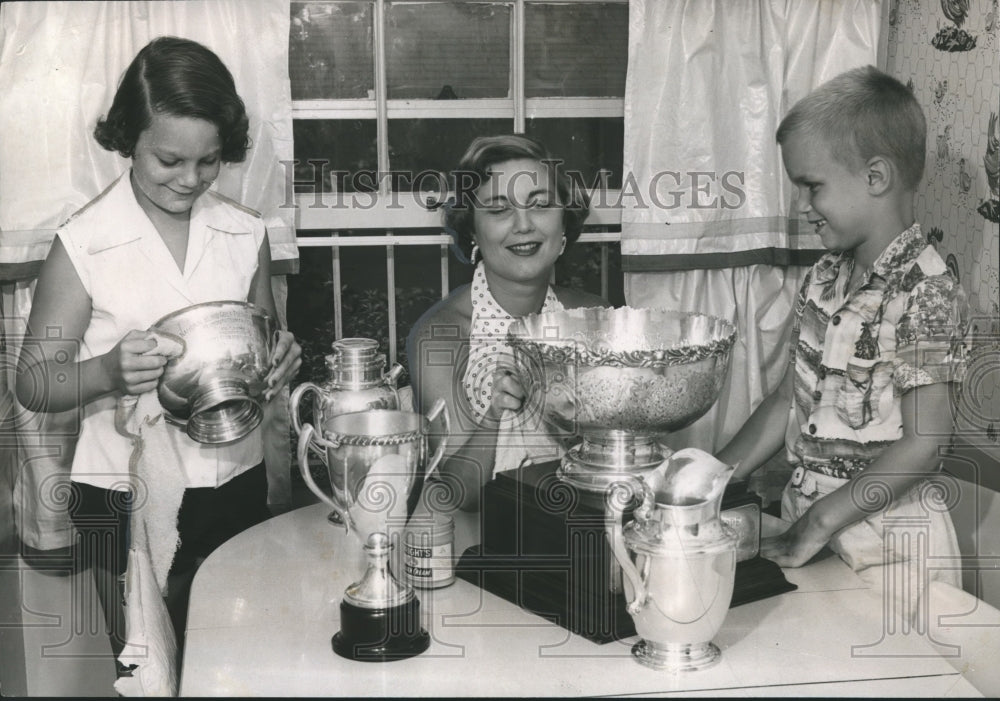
(860,114)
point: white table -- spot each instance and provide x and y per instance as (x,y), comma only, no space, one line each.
(265,605)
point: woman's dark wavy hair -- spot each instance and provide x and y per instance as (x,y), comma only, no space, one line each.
(177,77)
(474,169)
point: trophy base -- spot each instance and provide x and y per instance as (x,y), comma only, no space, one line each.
(676,657)
(380,635)
(544,548)
(599,462)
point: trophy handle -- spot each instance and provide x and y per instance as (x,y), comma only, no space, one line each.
(293,404)
(440,407)
(305,442)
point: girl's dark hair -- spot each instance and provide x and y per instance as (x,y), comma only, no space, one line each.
(176,77)
(474,169)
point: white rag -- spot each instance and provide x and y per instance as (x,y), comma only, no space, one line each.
(520,438)
(158,485)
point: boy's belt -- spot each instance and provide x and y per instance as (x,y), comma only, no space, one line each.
(809,482)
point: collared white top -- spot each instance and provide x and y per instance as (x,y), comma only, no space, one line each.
(133,281)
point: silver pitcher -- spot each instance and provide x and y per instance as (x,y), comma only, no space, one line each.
(372,458)
(678,558)
(219,352)
(357,381)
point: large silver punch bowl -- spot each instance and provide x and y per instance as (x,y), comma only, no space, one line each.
(599,370)
(213,384)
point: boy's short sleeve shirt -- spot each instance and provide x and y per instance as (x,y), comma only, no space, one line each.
(856,355)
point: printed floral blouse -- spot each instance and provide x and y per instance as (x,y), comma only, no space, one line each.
(854,356)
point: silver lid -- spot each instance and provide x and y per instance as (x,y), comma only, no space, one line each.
(356,362)
(355,351)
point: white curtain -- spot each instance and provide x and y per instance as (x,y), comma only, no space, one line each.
(60,63)
(705,224)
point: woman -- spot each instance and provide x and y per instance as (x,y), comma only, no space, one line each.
(513,215)
(157,240)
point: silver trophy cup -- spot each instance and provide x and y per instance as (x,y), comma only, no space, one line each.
(373,458)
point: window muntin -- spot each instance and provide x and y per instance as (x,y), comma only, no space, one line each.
(467,54)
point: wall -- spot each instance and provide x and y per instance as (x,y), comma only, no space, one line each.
(949,52)
(953,65)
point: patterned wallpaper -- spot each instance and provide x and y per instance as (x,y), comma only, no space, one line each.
(948,51)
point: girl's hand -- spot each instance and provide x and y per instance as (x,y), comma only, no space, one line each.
(286,359)
(128,366)
(507,393)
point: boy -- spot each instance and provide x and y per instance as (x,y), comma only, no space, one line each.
(876,338)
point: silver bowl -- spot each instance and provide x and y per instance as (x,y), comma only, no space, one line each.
(638,370)
(212,387)
(620,378)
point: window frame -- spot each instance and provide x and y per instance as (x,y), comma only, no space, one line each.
(387,210)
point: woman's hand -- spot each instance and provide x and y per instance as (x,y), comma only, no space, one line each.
(131,367)
(508,394)
(286,359)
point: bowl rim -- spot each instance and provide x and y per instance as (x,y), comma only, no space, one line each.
(568,350)
(255,308)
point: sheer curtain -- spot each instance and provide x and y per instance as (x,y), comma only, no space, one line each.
(60,63)
(707,226)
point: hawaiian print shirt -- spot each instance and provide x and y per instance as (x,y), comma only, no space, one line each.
(855,355)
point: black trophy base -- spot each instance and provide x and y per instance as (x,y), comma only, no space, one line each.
(544,549)
(380,635)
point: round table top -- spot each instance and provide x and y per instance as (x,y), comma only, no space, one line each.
(265,606)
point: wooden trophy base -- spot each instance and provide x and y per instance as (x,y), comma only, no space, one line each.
(380,635)
(544,548)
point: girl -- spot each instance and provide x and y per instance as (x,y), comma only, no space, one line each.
(155,241)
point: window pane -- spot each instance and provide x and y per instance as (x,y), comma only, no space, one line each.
(580,267)
(330,52)
(363,286)
(419,145)
(586,145)
(447,50)
(342,151)
(575,50)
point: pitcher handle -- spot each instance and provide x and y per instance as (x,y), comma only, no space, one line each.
(392,376)
(305,442)
(440,407)
(635,590)
(295,399)
(391,379)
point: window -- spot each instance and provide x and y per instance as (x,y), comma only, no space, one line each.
(386,90)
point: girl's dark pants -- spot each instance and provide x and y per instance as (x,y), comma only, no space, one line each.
(208,517)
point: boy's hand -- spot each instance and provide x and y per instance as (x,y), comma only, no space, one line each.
(796,546)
